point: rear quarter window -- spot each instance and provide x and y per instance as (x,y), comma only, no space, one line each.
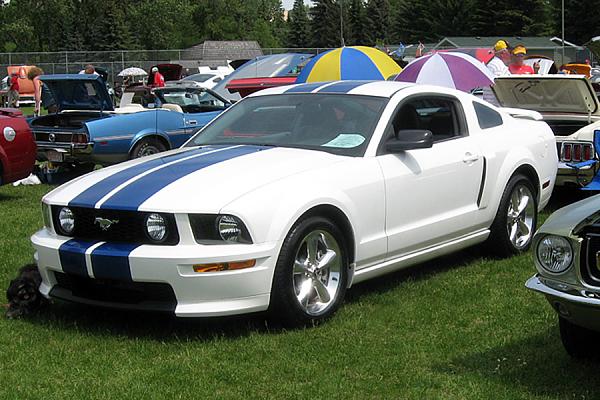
(487,117)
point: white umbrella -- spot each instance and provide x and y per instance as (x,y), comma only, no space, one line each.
(133,71)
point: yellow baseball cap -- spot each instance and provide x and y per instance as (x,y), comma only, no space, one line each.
(500,45)
(519,50)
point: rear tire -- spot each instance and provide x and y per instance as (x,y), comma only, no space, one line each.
(147,146)
(311,273)
(579,342)
(516,218)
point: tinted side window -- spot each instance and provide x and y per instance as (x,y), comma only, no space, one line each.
(487,117)
(440,115)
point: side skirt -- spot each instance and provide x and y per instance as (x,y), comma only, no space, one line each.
(419,256)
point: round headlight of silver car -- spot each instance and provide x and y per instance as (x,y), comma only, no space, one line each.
(230,228)
(66,219)
(554,253)
(156,227)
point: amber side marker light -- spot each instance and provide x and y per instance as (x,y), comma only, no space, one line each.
(225,266)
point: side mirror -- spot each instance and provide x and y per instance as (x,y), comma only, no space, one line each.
(409,139)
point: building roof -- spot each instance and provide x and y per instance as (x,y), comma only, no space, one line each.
(212,50)
(533,42)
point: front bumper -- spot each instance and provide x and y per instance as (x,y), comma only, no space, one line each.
(580,306)
(119,268)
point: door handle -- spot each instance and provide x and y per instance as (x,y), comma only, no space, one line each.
(470,158)
(192,122)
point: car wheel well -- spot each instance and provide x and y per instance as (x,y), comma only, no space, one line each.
(340,219)
(153,136)
(529,172)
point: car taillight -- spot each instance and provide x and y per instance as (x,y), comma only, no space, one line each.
(79,138)
(588,154)
(577,152)
(567,150)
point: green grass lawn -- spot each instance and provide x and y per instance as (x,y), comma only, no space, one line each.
(459,327)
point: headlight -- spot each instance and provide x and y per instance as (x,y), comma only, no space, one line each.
(554,253)
(66,219)
(216,229)
(230,228)
(156,227)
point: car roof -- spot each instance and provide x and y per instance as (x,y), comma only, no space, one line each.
(370,88)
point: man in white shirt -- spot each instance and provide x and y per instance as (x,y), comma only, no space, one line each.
(498,66)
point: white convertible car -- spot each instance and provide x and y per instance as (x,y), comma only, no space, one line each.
(293,195)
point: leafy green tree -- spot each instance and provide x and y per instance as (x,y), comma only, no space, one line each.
(298,26)
(512,18)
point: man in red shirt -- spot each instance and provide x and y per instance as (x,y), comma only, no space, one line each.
(158,79)
(518,67)
(13,90)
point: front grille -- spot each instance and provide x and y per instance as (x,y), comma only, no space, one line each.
(135,295)
(590,251)
(130,227)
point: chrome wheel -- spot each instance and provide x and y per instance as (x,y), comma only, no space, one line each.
(520,216)
(316,272)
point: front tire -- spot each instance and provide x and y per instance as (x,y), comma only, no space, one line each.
(516,219)
(146,147)
(311,273)
(579,342)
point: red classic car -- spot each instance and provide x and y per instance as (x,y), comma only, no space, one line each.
(17,147)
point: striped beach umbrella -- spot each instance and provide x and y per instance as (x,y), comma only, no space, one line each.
(349,63)
(454,70)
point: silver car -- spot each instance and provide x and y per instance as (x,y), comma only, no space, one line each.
(567,256)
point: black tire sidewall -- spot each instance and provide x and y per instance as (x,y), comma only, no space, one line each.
(499,239)
(284,304)
(146,143)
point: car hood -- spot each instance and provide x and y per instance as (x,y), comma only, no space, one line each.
(560,94)
(569,220)
(78,91)
(199,179)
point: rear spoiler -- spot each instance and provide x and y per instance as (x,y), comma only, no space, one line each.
(522,113)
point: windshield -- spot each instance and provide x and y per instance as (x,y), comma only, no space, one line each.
(336,123)
(198,77)
(191,100)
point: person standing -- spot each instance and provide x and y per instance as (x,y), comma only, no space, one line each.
(158,80)
(13,90)
(518,66)
(498,64)
(41,94)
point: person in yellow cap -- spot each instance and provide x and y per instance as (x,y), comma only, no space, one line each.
(498,64)
(518,67)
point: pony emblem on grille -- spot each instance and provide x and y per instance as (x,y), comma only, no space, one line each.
(105,223)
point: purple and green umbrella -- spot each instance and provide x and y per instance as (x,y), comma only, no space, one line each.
(454,70)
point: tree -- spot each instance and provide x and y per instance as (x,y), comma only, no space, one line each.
(359,25)
(512,18)
(298,26)
(378,13)
(325,24)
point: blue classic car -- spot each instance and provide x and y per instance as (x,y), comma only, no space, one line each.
(88,130)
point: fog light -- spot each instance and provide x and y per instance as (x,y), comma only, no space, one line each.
(225,266)
(156,227)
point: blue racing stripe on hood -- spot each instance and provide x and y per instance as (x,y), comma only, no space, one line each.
(93,194)
(72,256)
(342,87)
(134,194)
(306,88)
